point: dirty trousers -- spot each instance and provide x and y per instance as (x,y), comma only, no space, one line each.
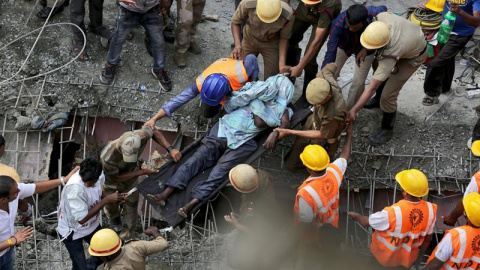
(213,151)
(298,30)
(440,71)
(129,208)
(152,21)
(360,76)
(189,13)
(77,17)
(268,50)
(405,69)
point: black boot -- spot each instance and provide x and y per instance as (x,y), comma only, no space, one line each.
(374,102)
(386,131)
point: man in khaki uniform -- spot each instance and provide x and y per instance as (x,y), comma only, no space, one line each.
(106,245)
(319,14)
(120,166)
(189,13)
(398,58)
(325,125)
(269,26)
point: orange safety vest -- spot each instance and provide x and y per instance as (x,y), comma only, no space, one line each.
(477,178)
(233,69)
(322,194)
(409,224)
(466,249)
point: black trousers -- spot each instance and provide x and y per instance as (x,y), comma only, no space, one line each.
(476,131)
(77,16)
(440,70)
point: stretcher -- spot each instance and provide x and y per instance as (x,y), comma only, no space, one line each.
(154,184)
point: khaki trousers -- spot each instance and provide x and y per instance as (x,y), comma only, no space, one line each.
(189,13)
(360,76)
(269,52)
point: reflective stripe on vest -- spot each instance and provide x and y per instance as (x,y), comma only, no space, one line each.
(466,256)
(233,69)
(326,206)
(477,178)
(399,244)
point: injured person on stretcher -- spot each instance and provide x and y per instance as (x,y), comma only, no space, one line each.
(254,108)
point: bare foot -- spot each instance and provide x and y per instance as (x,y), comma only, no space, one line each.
(158,198)
(186,209)
(182,212)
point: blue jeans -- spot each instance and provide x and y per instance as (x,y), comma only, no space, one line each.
(152,21)
(7,260)
(77,254)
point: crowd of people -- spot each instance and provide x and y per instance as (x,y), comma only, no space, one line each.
(391,45)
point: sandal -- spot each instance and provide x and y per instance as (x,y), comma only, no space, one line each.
(429,101)
(83,56)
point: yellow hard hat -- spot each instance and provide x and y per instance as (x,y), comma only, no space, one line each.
(413,181)
(317,91)
(311,2)
(105,242)
(476,148)
(244,178)
(315,157)
(471,204)
(375,36)
(435,5)
(269,10)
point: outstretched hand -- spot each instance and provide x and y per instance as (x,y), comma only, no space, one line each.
(271,140)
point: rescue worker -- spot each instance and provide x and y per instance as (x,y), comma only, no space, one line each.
(10,193)
(319,14)
(404,230)
(473,187)
(256,244)
(269,26)
(460,247)
(23,205)
(440,71)
(120,165)
(398,58)
(213,85)
(79,212)
(344,41)
(231,140)
(325,125)
(316,204)
(189,14)
(107,246)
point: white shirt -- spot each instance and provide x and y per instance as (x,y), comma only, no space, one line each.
(472,187)
(306,213)
(445,249)
(77,200)
(380,222)
(7,219)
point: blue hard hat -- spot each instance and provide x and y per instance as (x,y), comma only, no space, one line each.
(215,87)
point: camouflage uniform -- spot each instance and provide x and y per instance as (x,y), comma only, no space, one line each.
(329,119)
(189,13)
(113,165)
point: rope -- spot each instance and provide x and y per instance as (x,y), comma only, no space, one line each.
(426,19)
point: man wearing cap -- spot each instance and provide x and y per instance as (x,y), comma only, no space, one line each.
(213,85)
(404,230)
(23,205)
(325,125)
(398,58)
(120,165)
(107,246)
(268,28)
(460,247)
(318,14)
(473,187)
(231,140)
(317,204)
